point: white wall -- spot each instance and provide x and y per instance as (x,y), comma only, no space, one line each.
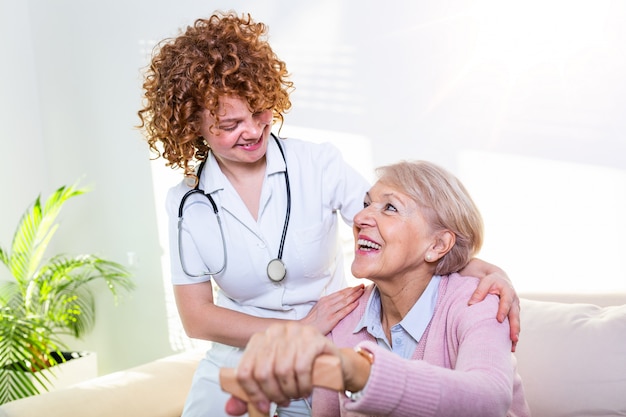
(23,163)
(524,101)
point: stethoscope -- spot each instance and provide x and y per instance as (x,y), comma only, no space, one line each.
(276,270)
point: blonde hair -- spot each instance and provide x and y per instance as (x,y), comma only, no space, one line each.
(447,206)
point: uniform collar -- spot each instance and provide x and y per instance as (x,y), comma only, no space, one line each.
(275,161)
(212,179)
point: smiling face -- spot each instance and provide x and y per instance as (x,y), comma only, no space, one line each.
(392,237)
(240,136)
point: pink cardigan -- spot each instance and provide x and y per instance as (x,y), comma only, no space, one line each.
(463,364)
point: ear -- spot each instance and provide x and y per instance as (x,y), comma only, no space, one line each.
(443,243)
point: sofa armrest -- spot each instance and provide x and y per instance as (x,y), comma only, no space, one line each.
(155,389)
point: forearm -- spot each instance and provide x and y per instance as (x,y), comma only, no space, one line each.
(419,388)
(204,320)
(223,325)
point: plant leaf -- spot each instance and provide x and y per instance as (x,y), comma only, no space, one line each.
(19,366)
(34,231)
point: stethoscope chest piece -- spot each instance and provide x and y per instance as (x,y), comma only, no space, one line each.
(276,270)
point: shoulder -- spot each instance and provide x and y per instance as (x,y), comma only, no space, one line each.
(175,195)
(455,291)
(343,333)
(457,285)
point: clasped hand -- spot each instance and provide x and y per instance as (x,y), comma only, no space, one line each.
(277,366)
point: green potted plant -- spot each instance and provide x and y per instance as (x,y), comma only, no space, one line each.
(45,298)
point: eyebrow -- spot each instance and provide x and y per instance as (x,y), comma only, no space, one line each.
(227,121)
(230,119)
(386,195)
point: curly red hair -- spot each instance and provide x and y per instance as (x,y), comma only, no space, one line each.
(224,55)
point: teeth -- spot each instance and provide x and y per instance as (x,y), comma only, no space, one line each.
(249,144)
(367,244)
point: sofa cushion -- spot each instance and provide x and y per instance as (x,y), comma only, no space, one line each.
(155,389)
(572,358)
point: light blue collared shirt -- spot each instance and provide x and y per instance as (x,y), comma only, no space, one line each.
(405,335)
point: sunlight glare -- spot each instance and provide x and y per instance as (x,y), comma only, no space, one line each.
(518,37)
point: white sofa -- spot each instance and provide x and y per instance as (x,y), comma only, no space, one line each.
(571,356)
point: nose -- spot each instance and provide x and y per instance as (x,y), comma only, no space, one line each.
(364,217)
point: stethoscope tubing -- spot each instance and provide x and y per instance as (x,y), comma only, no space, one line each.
(197,190)
(219,223)
(288,212)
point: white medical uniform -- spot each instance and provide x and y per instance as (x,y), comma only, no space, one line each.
(323,186)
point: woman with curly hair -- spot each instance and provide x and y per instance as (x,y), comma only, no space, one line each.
(253,225)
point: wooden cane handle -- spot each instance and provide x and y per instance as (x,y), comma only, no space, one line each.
(326,374)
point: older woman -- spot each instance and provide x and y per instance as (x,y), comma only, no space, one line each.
(422,350)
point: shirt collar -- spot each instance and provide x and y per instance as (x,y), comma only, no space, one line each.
(212,179)
(275,161)
(414,323)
